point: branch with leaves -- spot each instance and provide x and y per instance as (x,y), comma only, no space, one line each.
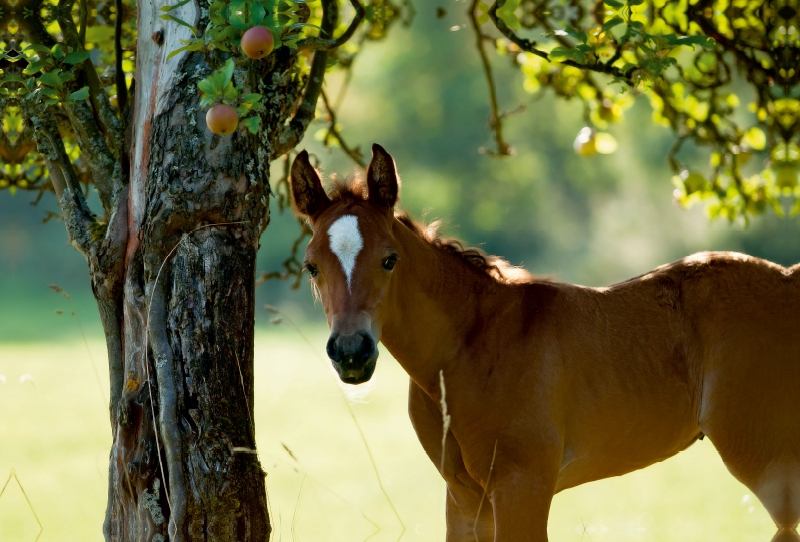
(683,57)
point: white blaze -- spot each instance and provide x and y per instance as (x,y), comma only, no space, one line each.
(346,243)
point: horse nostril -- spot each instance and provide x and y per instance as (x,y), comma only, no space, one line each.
(367,346)
(331,347)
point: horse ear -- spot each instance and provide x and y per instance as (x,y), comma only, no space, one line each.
(382,180)
(308,195)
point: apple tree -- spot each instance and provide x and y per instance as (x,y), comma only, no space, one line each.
(154,124)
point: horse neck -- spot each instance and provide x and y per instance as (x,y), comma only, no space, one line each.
(434,301)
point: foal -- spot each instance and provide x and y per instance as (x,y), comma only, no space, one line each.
(552,385)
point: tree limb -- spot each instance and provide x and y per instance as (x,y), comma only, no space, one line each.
(290,135)
(318,42)
(495,118)
(353,153)
(530,47)
(77,216)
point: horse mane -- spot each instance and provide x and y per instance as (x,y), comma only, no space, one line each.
(355,190)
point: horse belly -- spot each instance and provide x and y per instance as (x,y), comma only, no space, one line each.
(628,435)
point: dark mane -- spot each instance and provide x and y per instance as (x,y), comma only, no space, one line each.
(355,190)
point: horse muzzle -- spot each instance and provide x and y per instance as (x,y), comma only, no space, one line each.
(353,356)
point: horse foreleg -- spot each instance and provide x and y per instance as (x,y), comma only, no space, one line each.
(521,490)
(467,519)
(464,522)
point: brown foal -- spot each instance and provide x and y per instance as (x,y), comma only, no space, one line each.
(552,385)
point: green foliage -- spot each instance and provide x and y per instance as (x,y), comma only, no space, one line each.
(603,53)
(52,61)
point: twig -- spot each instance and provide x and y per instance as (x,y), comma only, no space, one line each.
(495,118)
(316,43)
(485,488)
(291,265)
(353,153)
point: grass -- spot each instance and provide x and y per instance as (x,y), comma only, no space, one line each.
(54,432)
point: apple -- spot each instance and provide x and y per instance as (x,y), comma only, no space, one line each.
(257,42)
(585,144)
(222,119)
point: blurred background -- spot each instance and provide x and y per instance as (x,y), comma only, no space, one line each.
(422,95)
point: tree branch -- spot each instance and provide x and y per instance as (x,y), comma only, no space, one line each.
(495,118)
(287,138)
(77,216)
(318,42)
(353,153)
(530,47)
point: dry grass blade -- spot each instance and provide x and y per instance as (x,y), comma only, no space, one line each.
(485,488)
(355,421)
(13,474)
(445,418)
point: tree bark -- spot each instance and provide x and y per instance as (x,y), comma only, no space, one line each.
(183,464)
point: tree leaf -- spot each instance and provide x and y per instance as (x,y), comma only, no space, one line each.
(57,51)
(176,6)
(51,79)
(38,48)
(612,23)
(168,17)
(34,67)
(562,53)
(79,95)
(76,57)
(253,124)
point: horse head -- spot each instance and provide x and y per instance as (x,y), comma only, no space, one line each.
(351,257)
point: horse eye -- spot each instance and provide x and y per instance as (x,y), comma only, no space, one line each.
(311,270)
(389,262)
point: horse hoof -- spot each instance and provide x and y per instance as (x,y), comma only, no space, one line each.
(786,535)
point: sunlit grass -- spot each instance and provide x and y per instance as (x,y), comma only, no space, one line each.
(54,432)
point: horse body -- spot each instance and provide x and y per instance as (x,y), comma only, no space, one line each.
(551,385)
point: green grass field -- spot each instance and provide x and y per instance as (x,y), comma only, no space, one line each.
(54,434)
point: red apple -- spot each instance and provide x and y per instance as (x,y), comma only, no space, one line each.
(257,42)
(222,119)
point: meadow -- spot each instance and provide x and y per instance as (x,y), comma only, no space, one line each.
(55,435)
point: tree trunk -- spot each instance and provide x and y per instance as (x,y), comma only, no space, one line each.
(183,464)
(180,319)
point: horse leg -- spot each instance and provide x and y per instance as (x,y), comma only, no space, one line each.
(749,411)
(464,523)
(468,520)
(521,505)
